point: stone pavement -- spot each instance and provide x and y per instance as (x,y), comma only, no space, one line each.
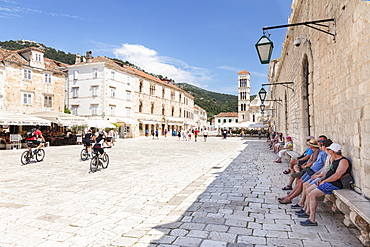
(157,193)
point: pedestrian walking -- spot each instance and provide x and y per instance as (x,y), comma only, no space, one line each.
(156,134)
(189,135)
(205,134)
(179,134)
(196,132)
(183,133)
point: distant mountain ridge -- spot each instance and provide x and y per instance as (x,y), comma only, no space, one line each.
(212,102)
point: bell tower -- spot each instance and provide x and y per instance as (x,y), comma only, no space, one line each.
(244,82)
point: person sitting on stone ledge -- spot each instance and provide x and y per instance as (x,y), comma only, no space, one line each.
(332,181)
(313,145)
(310,167)
(310,184)
(301,159)
(280,143)
(287,146)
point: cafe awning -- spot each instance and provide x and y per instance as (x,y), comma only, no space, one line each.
(62,118)
(257,125)
(11,118)
(99,123)
(149,122)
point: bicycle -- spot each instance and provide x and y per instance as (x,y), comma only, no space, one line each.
(84,153)
(28,155)
(96,161)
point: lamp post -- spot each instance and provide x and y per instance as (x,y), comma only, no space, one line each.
(264,48)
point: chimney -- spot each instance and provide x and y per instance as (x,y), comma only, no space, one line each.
(88,56)
(78,58)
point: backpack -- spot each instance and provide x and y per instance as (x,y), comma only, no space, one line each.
(31,132)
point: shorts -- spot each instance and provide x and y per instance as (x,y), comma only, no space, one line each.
(205,136)
(327,188)
(313,181)
(305,177)
(87,143)
(32,143)
(300,163)
(98,149)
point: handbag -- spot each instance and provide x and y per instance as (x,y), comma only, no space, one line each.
(347,180)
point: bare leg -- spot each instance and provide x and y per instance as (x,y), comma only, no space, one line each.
(314,194)
(297,190)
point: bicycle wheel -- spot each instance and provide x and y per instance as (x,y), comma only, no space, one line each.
(25,158)
(40,155)
(105,161)
(84,154)
(94,164)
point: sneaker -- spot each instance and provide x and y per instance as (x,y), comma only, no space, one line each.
(308,223)
(301,211)
(295,206)
(303,215)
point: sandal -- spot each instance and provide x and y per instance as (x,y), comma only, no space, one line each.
(281,198)
(286,171)
(288,187)
(277,161)
(285,201)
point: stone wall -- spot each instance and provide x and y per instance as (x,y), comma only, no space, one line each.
(331,80)
(14,85)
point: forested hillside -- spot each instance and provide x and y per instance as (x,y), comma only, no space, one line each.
(51,53)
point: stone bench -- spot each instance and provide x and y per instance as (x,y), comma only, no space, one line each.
(356,210)
(292,154)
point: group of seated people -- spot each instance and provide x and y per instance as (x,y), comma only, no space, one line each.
(317,172)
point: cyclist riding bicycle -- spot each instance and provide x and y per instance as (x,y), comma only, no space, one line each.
(33,138)
(87,141)
(99,142)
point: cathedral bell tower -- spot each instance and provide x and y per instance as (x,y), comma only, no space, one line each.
(244,82)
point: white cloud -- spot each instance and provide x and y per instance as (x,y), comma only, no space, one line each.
(258,74)
(152,62)
(229,68)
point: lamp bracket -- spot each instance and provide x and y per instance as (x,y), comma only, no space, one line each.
(308,24)
(280,83)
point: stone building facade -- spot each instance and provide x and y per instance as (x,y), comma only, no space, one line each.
(107,89)
(331,78)
(29,82)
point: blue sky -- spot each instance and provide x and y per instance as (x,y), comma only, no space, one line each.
(201,42)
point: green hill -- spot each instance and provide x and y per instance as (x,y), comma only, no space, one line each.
(49,52)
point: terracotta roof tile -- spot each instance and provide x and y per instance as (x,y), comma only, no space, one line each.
(15,57)
(119,65)
(227,114)
(244,72)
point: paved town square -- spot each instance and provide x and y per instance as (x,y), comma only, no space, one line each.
(158,193)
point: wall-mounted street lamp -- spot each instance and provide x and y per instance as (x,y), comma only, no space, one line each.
(264,48)
(262,94)
(262,107)
(264,45)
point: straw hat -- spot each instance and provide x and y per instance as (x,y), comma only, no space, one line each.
(313,143)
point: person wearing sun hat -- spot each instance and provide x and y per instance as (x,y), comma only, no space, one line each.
(287,146)
(332,181)
(313,144)
(301,159)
